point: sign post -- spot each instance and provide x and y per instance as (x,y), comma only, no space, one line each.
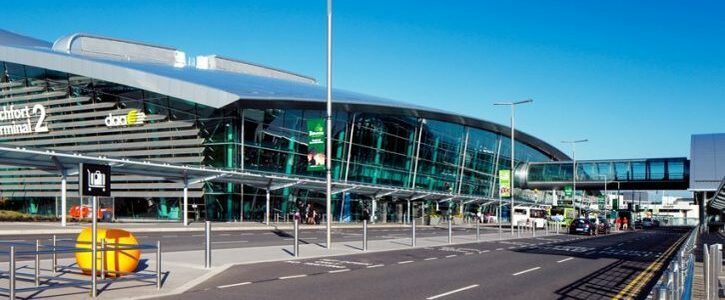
(94,181)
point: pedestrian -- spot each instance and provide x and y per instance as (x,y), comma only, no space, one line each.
(625,222)
(618,223)
(596,226)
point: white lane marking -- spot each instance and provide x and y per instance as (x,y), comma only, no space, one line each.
(338,271)
(525,271)
(405,262)
(309,238)
(293,276)
(375,266)
(248,233)
(229,242)
(563,260)
(224,234)
(484,251)
(452,255)
(499,249)
(431,258)
(233,285)
(452,292)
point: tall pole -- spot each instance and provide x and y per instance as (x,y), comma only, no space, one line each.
(573,157)
(328,147)
(513,160)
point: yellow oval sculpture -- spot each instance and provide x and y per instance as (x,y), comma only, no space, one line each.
(121,260)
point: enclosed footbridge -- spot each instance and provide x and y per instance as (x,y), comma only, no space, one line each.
(626,174)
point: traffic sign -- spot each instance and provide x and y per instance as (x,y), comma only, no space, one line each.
(95,180)
(568,191)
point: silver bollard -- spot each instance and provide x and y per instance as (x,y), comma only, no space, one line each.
(296,249)
(158,265)
(207,248)
(54,259)
(478,230)
(706,268)
(450,230)
(518,232)
(533,229)
(11,283)
(365,235)
(103,259)
(412,238)
(37,263)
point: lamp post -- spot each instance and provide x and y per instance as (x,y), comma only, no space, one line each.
(573,157)
(513,162)
(328,146)
(606,196)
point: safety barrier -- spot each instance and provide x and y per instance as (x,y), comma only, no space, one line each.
(55,279)
(674,283)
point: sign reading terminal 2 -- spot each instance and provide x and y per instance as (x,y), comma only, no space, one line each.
(133,117)
(16,120)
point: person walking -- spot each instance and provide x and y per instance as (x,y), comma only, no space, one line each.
(618,224)
(625,222)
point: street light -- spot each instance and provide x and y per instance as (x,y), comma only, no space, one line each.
(573,157)
(606,196)
(513,109)
(328,146)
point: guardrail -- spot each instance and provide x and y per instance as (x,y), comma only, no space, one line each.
(676,280)
(54,280)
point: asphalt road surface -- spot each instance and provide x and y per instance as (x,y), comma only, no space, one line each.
(622,265)
(186,241)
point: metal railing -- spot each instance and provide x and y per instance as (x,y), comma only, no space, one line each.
(55,280)
(676,280)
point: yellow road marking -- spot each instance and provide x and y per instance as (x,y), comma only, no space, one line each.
(637,282)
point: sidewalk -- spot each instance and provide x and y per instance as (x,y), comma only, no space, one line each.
(184,270)
(28,228)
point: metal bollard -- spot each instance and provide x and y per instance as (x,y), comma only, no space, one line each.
(706,268)
(365,235)
(207,248)
(54,259)
(37,263)
(671,280)
(450,230)
(158,265)
(296,246)
(412,238)
(478,231)
(103,259)
(518,232)
(11,283)
(533,229)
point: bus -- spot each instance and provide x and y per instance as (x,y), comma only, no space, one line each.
(525,215)
(562,214)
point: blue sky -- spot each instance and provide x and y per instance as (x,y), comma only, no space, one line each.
(636,78)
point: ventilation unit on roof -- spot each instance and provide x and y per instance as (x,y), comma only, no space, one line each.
(105,47)
(215,62)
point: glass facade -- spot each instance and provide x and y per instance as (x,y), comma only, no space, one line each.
(378,148)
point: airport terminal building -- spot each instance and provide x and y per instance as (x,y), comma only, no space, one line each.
(111,98)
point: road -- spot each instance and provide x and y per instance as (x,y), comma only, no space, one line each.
(186,241)
(552,267)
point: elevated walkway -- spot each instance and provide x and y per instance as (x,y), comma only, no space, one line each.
(627,174)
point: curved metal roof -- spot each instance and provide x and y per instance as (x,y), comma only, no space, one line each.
(217,89)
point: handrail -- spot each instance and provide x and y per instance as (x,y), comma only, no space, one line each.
(674,281)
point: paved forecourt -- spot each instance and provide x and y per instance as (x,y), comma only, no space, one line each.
(548,267)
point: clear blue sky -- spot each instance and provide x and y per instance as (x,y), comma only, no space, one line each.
(634,77)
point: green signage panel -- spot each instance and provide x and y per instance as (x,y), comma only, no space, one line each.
(568,191)
(316,145)
(504,183)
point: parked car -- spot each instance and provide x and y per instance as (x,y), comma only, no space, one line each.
(650,223)
(580,226)
(604,226)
